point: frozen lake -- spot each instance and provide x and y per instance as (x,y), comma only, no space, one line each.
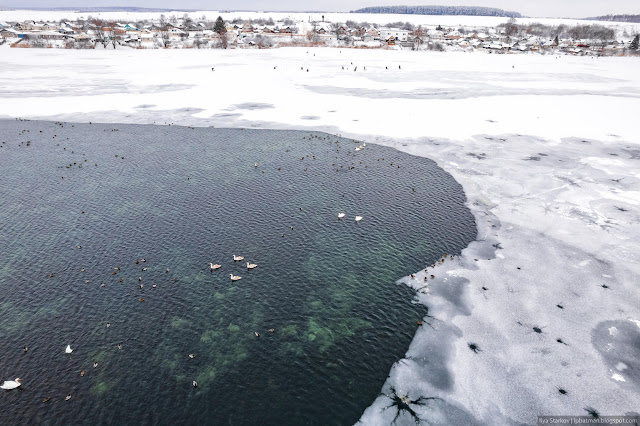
(546,149)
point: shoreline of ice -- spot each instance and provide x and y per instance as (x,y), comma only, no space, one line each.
(558,215)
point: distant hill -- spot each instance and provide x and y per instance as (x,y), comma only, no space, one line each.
(617,18)
(440,10)
(102,9)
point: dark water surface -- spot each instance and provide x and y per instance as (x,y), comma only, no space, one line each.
(181,198)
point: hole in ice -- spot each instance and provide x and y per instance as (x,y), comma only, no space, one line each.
(562,391)
(474,347)
(560,306)
(604,286)
(403,404)
(480,156)
(561,341)
(592,412)
(537,330)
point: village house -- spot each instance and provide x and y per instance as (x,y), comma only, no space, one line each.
(49,35)
(453,35)
(396,33)
(247,28)
(435,34)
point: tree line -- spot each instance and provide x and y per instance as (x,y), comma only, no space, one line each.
(440,10)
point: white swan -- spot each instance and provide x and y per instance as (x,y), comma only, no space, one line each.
(214,267)
(237,258)
(68,349)
(251,265)
(358,218)
(357,148)
(340,215)
(235,277)
(11,384)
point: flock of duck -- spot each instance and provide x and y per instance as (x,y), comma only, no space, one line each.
(250,266)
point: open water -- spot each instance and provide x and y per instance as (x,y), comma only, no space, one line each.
(78,200)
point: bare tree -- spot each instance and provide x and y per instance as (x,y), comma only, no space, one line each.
(511,28)
(337,30)
(186,21)
(98,29)
(165,36)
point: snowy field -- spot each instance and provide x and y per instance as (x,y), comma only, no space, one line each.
(547,150)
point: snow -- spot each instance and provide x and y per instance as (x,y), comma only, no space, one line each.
(547,149)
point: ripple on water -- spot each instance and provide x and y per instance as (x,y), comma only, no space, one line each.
(180,198)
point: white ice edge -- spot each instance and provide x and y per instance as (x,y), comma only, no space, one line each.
(569,219)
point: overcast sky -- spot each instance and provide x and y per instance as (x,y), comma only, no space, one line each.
(537,8)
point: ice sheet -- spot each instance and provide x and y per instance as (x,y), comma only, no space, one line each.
(547,149)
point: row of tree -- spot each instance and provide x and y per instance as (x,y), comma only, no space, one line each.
(616,18)
(592,32)
(440,10)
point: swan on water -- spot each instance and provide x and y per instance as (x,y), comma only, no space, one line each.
(358,218)
(340,215)
(11,384)
(237,258)
(251,265)
(68,349)
(214,267)
(235,277)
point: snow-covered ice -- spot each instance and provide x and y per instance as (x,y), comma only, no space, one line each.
(547,149)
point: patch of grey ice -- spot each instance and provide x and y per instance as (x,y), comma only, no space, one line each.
(534,317)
